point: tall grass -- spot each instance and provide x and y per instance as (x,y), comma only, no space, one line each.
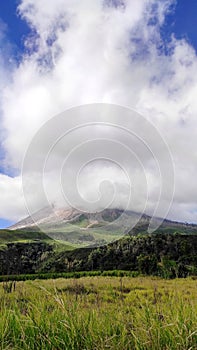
(99,313)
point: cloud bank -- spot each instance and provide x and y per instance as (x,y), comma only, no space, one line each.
(101,52)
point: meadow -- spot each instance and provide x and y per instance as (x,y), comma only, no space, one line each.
(100,312)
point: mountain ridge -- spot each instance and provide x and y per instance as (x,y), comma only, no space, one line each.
(51,215)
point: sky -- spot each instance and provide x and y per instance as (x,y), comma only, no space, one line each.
(136,53)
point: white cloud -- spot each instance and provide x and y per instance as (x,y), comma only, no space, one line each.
(87,51)
(12,204)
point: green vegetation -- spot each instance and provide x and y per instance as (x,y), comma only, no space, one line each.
(97,313)
(167,255)
(55,275)
(79,236)
(164,255)
(7,236)
(55,297)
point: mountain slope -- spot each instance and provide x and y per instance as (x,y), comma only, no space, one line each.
(80,229)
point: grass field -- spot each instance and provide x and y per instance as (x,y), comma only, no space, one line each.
(7,236)
(99,313)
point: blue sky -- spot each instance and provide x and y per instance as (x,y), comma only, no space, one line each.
(5,223)
(181,22)
(16,28)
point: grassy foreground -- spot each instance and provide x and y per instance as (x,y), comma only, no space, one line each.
(99,313)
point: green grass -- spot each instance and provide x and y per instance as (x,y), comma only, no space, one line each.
(74,233)
(60,246)
(22,236)
(10,236)
(93,313)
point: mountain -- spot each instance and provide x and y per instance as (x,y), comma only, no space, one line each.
(49,241)
(81,229)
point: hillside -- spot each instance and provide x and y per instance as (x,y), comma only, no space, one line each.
(166,255)
(171,250)
(81,229)
(7,236)
(163,254)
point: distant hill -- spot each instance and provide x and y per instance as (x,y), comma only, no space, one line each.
(80,229)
